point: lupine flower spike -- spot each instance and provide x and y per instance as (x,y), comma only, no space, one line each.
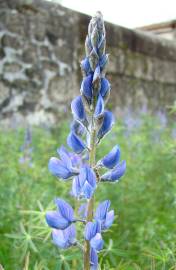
(90,124)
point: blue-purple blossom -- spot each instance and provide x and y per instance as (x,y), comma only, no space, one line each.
(86,87)
(75,143)
(108,121)
(64,167)
(105,87)
(111,159)
(85,66)
(97,242)
(93,259)
(64,238)
(115,174)
(91,229)
(62,218)
(99,109)
(84,184)
(103,215)
(93,234)
(78,110)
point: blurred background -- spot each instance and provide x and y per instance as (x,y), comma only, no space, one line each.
(41,46)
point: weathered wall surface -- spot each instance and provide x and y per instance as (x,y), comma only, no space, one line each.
(41,44)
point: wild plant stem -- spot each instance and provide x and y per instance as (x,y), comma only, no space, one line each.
(91,201)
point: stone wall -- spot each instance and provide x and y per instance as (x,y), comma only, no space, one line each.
(41,44)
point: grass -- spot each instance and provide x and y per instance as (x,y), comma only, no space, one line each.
(144,234)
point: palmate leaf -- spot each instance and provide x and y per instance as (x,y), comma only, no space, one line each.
(110,253)
(24,240)
(68,262)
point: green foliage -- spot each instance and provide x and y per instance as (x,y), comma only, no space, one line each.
(144,234)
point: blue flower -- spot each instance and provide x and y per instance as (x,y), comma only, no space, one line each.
(111,159)
(105,87)
(85,66)
(107,124)
(93,234)
(86,87)
(91,229)
(99,109)
(84,184)
(64,167)
(62,218)
(103,216)
(93,259)
(115,174)
(78,111)
(97,242)
(64,238)
(75,143)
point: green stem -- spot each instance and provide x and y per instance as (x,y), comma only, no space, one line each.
(91,201)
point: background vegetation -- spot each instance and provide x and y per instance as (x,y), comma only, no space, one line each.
(144,234)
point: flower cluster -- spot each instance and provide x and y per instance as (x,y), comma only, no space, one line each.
(91,123)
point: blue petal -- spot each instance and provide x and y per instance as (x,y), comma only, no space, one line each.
(77,108)
(55,220)
(70,233)
(87,190)
(109,219)
(102,210)
(76,187)
(64,156)
(97,242)
(105,87)
(108,122)
(91,229)
(119,170)
(99,109)
(86,86)
(87,174)
(116,173)
(57,168)
(83,176)
(65,209)
(75,143)
(111,159)
(90,176)
(85,65)
(59,240)
(93,259)
(64,238)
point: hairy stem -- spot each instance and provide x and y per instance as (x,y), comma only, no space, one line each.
(91,201)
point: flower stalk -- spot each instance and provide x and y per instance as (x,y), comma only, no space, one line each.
(91,123)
